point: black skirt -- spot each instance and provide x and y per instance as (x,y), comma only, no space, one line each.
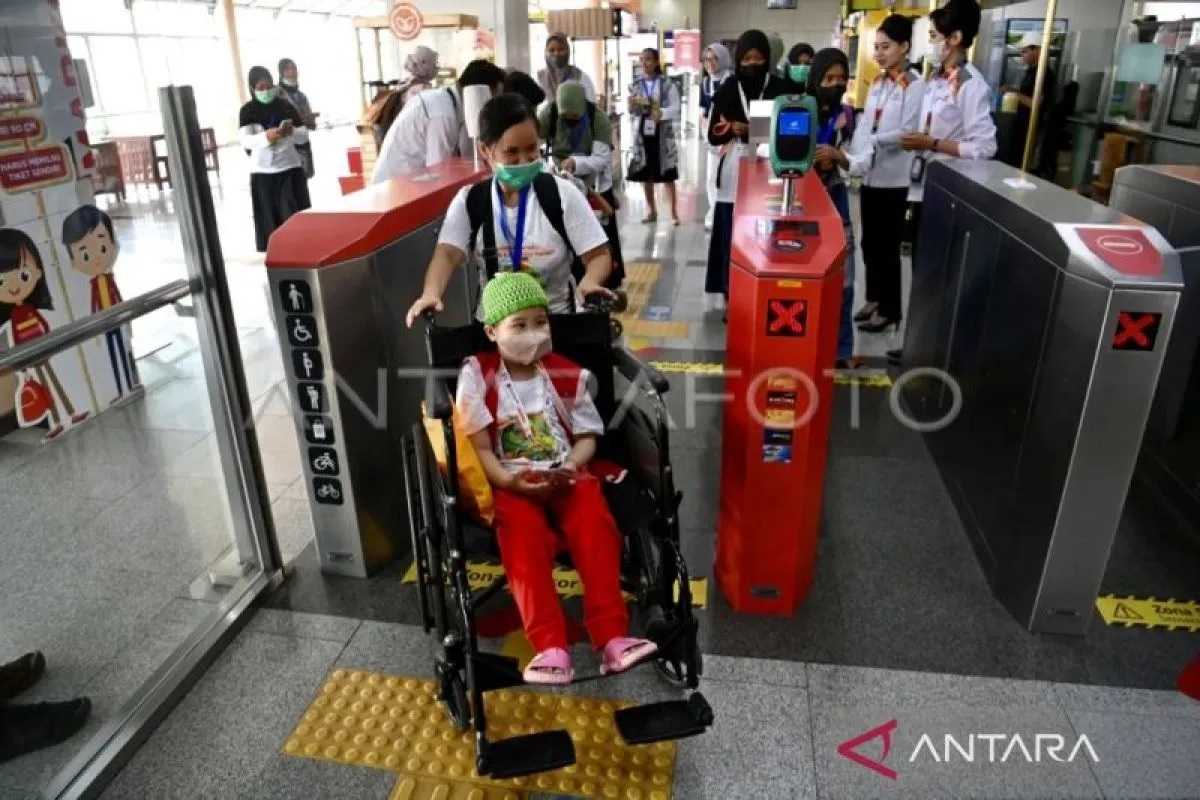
(716,279)
(275,197)
(651,171)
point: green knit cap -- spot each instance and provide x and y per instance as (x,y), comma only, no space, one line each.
(510,292)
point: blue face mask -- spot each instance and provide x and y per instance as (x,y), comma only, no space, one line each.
(518,176)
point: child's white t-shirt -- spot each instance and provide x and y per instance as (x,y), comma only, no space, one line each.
(549,444)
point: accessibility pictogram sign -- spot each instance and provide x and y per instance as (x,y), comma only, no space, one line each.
(1149,613)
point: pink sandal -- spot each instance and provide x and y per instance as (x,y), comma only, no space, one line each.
(623,652)
(550,667)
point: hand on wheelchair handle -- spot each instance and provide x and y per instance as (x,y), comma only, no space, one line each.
(608,301)
(424,306)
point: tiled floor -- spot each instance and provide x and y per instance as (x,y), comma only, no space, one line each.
(130,511)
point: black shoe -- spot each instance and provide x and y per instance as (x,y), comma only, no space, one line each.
(878,324)
(17,676)
(866,312)
(895,357)
(25,728)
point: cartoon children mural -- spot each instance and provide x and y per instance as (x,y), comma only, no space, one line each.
(24,294)
(87,233)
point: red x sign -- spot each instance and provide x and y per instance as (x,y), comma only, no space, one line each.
(787,317)
(1136,330)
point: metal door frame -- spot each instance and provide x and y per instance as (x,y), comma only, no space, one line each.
(103,756)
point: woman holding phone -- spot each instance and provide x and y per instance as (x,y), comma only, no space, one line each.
(270,128)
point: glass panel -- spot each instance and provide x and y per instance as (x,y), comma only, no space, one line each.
(95,16)
(118,74)
(1183,108)
(174,18)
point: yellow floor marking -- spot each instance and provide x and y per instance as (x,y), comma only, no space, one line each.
(657,329)
(480,575)
(636,343)
(872,379)
(1149,613)
(395,723)
(689,367)
(517,646)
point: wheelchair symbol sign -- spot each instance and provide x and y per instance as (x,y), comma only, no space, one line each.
(302,330)
(323,460)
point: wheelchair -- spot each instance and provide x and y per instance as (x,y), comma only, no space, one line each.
(644,505)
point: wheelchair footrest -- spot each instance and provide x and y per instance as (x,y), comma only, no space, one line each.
(525,755)
(658,722)
(494,671)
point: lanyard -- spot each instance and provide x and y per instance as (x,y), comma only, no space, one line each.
(575,135)
(650,87)
(547,387)
(515,243)
(827,130)
(742,94)
(883,101)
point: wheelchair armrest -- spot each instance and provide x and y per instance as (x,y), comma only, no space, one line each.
(437,398)
(634,370)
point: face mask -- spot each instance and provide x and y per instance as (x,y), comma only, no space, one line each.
(518,176)
(525,348)
(289,81)
(937,51)
(265,96)
(559,61)
(753,72)
(799,73)
(830,96)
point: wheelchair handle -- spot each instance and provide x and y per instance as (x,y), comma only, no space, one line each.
(603,304)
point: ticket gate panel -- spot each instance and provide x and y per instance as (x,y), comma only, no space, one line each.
(347,276)
(785,290)
(1013,302)
(1168,197)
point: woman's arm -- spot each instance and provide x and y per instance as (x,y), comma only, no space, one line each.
(597,265)
(255,137)
(446,259)
(670,109)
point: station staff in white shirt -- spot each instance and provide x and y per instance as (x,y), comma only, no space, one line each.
(893,107)
(956,112)
(430,127)
(525,237)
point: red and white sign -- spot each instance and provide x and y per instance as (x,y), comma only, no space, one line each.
(406,21)
(20,129)
(34,168)
(1127,250)
(687,50)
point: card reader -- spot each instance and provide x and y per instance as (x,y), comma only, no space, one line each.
(793,135)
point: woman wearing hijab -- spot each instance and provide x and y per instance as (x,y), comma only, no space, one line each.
(270,128)
(422,65)
(654,110)
(289,87)
(729,130)
(559,70)
(718,65)
(835,128)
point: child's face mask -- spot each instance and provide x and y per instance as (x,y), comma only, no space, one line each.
(526,347)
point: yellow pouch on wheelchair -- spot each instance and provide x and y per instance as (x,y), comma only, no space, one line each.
(474,491)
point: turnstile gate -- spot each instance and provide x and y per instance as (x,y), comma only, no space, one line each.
(1036,334)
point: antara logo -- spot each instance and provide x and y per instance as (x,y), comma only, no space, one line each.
(985,747)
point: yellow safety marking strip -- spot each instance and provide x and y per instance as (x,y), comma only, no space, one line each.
(395,723)
(689,367)
(656,329)
(1176,615)
(481,574)
(872,379)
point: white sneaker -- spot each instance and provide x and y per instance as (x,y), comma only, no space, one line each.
(720,300)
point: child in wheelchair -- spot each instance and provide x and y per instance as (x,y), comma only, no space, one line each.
(535,428)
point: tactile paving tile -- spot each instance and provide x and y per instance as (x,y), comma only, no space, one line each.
(395,723)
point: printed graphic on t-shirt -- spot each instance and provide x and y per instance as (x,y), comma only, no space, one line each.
(541,446)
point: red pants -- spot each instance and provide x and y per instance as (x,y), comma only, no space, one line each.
(528,545)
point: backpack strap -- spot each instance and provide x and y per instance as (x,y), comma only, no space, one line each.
(545,187)
(479,211)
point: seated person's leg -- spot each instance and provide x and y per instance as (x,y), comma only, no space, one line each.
(595,545)
(527,547)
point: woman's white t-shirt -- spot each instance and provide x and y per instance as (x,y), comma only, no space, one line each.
(544,252)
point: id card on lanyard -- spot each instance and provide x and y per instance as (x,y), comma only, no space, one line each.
(879,109)
(516,242)
(649,124)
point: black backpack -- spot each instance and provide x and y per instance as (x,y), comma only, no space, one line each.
(480,211)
